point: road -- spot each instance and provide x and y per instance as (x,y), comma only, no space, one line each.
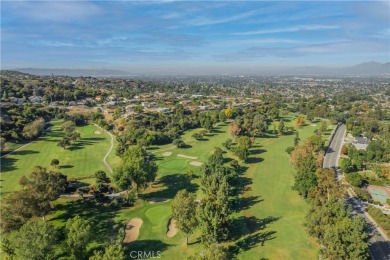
(379,243)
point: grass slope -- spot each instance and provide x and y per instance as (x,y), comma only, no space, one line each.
(83,158)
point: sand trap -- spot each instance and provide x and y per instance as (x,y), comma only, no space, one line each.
(313,125)
(167,154)
(188,157)
(154,200)
(132,230)
(172,229)
(97,132)
(194,163)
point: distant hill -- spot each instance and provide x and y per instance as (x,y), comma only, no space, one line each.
(367,68)
(74,72)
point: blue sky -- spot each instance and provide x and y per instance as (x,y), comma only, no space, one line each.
(183,36)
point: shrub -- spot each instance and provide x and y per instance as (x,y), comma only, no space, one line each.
(179,143)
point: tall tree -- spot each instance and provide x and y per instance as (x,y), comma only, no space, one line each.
(36,240)
(184,209)
(281,127)
(33,129)
(111,252)
(137,168)
(78,236)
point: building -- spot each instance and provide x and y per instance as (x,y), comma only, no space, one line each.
(360,142)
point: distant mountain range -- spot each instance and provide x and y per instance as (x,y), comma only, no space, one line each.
(74,72)
(368,68)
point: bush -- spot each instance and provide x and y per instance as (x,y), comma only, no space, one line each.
(362,194)
(290,149)
(179,143)
(355,179)
(382,219)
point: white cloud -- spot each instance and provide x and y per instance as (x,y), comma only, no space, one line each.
(289,29)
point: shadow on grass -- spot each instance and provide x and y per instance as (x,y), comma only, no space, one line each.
(67,166)
(99,215)
(256,151)
(151,148)
(8,164)
(149,248)
(170,185)
(245,203)
(250,233)
(84,142)
(25,152)
(251,160)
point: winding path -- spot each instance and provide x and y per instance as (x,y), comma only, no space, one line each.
(109,150)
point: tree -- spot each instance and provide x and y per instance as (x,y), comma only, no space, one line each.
(78,236)
(197,136)
(3,145)
(179,143)
(101,177)
(33,129)
(111,252)
(346,165)
(324,126)
(55,163)
(242,148)
(184,209)
(234,130)
(296,138)
(355,179)
(65,142)
(300,121)
(137,168)
(36,240)
(7,249)
(34,199)
(229,112)
(327,186)
(68,127)
(281,127)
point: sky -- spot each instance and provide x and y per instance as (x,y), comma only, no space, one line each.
(184,37)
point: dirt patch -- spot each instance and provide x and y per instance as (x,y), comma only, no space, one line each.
(167,154)
(186,156)
(154,200)
(132,230)
(194,163)
(172,229)
(97,132)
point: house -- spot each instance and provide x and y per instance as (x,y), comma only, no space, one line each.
(98,98)
(111,104)
(16,100)
(148,104)
(35,99)
(360,142)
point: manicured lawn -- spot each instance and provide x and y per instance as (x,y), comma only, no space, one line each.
(279,209)
(82,159)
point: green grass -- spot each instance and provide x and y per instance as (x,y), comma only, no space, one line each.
(82,159)
(284,236)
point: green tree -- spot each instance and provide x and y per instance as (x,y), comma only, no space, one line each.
(34,199)
(36,240)
(68,127)
(78,236)
(101,177)
(65,142)
(33,129)
(281,127)
(111,252)
(184,208)
(137,168)
(7,249)
(346,165)
(296,138)
(324,126)
(55,163)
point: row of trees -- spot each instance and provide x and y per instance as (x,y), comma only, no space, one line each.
(329,220)
(212,214)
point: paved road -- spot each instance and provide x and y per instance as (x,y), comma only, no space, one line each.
(379,244)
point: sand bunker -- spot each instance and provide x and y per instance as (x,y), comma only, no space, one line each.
(97,132)
(154,200)
(194,163)
(313,125)
(188,157)
(132,230)
(167,154)
(172,229)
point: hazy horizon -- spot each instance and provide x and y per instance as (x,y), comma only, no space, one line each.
(193,37)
